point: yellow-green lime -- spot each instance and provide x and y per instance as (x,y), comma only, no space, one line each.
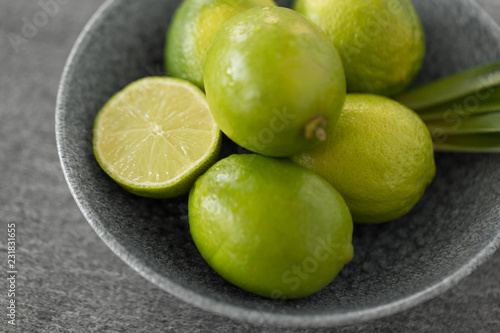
(274,81)
(193,27)
(381,41)
(156,136)
(380,158)
(270,226)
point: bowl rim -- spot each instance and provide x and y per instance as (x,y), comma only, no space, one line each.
(218,306)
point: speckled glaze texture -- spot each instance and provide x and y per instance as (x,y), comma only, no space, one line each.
(396,265)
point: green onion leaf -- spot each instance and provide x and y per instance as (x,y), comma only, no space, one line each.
(473,143)
(484,101)
(452,87)
(458,125)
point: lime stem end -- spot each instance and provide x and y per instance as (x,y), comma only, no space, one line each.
(315,128)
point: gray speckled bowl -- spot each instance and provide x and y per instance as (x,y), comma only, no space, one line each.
(397,265)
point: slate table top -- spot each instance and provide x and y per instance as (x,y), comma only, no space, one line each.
(68,280)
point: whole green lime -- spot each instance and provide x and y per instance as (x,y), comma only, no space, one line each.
(192,29)
(381,41)
(274,82)
(270,226)
(380,158)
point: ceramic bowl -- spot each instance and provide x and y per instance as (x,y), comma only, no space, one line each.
(396,265)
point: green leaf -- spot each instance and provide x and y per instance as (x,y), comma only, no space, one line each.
(459,125)
(474,143)
(486,100)
(451,87)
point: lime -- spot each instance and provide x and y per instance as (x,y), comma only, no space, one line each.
(270,226)
(156,136)
(380,158)
(381,42)
(274,82)
(192,29)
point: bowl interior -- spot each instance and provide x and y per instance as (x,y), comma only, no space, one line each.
(396,265)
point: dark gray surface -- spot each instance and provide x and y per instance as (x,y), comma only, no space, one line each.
(69,281)
(396,265)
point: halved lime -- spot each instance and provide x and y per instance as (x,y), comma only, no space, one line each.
(156,136)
